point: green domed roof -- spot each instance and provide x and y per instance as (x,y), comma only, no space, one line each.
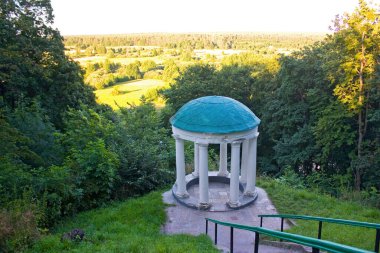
(215,115)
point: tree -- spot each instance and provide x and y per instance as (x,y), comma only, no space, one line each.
(110,53)
(148,65)
(33,63)
(132,70)
(171,71)
(100,49)
(358,37)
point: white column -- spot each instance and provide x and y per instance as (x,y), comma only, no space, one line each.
(244,161)
(180,168)
(251,172)
(223,160)
(234,178)
(196,160)
(203,176)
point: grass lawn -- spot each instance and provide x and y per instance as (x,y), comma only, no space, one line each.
(129,92)
(306,202)
(129,226)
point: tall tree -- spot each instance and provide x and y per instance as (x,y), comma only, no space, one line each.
(32,60)
(357,36)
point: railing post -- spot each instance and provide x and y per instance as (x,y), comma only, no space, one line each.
(282,226)
(377,241)
(320,230)
(206,226)
(216,233)
(257,238)
(315,250)
(261,221)
(232,240)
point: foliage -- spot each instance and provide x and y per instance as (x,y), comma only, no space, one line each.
(290,178)
(202,80)
(248,41)
(145,149)
(312,128)
(171,71)
(14,159)
(106,74)
(94,172)
(148,65)
(18,230)
(32,121)
(358,35)
(33,63)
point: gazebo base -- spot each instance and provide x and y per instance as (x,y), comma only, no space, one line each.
(218,194)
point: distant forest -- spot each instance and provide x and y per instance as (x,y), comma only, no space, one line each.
(246,41)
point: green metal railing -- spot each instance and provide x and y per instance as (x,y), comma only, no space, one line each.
(328,220)
(315,244)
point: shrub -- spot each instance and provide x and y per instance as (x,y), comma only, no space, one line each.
(94,170)
(291,178)
(115,91)
(153,74)
(18,224)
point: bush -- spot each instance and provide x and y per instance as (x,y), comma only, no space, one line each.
(94,170)
(291,178)
(145,149)
(18,224)
(153,74)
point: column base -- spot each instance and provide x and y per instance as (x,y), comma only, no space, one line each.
(223,174)
(250,193)
(182,195)
(233,204)
(204,206)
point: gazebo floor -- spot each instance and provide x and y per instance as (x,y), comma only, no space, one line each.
(219,189)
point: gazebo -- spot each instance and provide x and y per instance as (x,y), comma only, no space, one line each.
(222,121)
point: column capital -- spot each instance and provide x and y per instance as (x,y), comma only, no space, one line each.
(236,143)
(177,137)
(202,144)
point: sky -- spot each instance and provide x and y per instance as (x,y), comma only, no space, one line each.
(80,17)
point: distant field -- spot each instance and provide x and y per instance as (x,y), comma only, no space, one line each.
(129,93)
(121,60)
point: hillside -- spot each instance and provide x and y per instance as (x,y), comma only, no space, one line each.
(134,225)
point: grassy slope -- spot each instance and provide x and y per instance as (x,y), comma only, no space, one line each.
(129,92)
(134,225)
(306,202)
(130,226)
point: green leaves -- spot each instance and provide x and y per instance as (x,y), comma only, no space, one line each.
(32,60)
(94,171)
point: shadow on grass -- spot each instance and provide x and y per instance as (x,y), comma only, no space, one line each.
(123,92)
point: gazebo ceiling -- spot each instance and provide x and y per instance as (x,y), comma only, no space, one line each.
(215,115)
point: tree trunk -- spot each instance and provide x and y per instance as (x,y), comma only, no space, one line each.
(358,171)
(361,119)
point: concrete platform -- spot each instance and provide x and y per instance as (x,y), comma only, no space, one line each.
(184,220)
(219,191)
